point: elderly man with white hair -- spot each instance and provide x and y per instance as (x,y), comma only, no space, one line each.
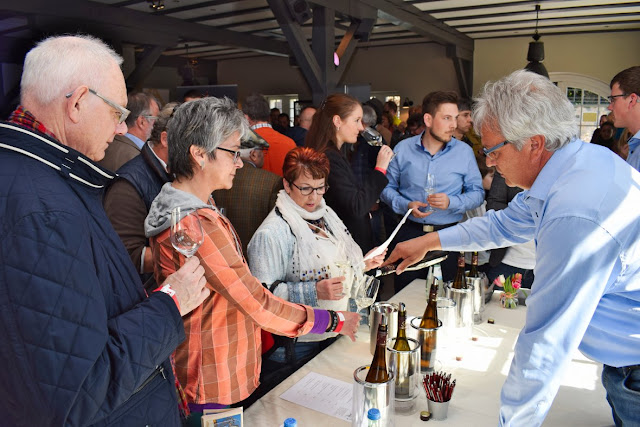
(82,343)
(580,204)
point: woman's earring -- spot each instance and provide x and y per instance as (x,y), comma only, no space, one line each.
(202,164)
(338,128)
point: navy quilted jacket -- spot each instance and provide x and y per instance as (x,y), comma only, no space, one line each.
(81,344)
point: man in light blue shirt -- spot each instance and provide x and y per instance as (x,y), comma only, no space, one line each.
(144,111)
(580,204)
(625,104)
(452,162)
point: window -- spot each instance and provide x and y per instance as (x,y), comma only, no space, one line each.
(589,107)
(588,96)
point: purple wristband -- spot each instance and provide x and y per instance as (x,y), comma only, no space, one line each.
(321,323)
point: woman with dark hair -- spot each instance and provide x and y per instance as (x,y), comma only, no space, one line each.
(300,245)
(219,362)
(338,121)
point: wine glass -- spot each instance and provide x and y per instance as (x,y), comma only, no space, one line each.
(366,292)
(186,231)
(430,188)
(343,264)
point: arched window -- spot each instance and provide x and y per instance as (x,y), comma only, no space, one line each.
(588,96)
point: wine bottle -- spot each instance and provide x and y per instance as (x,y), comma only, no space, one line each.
(474,265)
(378,371)
(428,336)
(430,316)
(430,258)
(402,344)
(460,281)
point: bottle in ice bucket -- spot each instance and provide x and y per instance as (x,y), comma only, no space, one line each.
(402,344)
(373,415)
(474,265)
(429,321)
(460,281)
(378,371)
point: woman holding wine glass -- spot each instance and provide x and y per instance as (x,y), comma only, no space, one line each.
(305,250)
(219,363)
(338,121)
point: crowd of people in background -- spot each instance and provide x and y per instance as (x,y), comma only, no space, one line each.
(140,331)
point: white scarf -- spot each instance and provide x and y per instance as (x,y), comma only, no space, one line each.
(308,255)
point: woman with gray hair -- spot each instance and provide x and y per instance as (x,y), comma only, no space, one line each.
(219,363)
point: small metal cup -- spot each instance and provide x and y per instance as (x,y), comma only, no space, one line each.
(427,338)
(438,410)
(390,311)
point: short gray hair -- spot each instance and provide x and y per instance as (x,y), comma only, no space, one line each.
(59,64)
(524,104)
(161,123)
(369,116)
(139,103)
(205,123)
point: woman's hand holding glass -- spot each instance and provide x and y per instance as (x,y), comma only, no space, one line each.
(374,262)
(384,157)
(351,323)
(330,289)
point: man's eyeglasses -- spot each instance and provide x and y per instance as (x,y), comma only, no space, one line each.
(489,152)
(151,118)
(121,112)
(612,98)
(236,154)
(305,191)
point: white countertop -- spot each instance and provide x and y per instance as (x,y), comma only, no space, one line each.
(480,375)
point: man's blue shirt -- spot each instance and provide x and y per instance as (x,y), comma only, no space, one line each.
(583,212)
(139,143)
(456,173)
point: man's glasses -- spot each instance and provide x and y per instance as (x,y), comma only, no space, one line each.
(490,152)
(305,191)
(121,112)
(612,98)
(151,118)
(236,154)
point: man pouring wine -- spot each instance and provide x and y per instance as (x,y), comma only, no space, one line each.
(580,205)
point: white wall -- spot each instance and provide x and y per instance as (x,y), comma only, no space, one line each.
(600,55)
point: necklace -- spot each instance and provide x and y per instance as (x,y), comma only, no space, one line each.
(317,225)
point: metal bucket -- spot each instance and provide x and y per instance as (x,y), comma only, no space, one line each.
(390,312)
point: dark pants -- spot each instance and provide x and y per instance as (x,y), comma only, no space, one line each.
(411,230)
(508,270)
(623,394)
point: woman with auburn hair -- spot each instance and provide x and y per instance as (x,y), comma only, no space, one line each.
(297,246)
(338,121)
(219,363)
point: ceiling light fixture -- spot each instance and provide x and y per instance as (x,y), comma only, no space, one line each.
(535,55)
(156,4)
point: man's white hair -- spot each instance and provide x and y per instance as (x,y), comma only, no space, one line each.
(524,104)
(59,64)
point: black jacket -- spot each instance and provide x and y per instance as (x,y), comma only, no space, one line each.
(351,201)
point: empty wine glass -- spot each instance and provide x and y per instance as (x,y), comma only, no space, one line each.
(366,292)
(430,188)
(186,231)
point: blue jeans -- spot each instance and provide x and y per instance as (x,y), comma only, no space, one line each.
(623,394)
